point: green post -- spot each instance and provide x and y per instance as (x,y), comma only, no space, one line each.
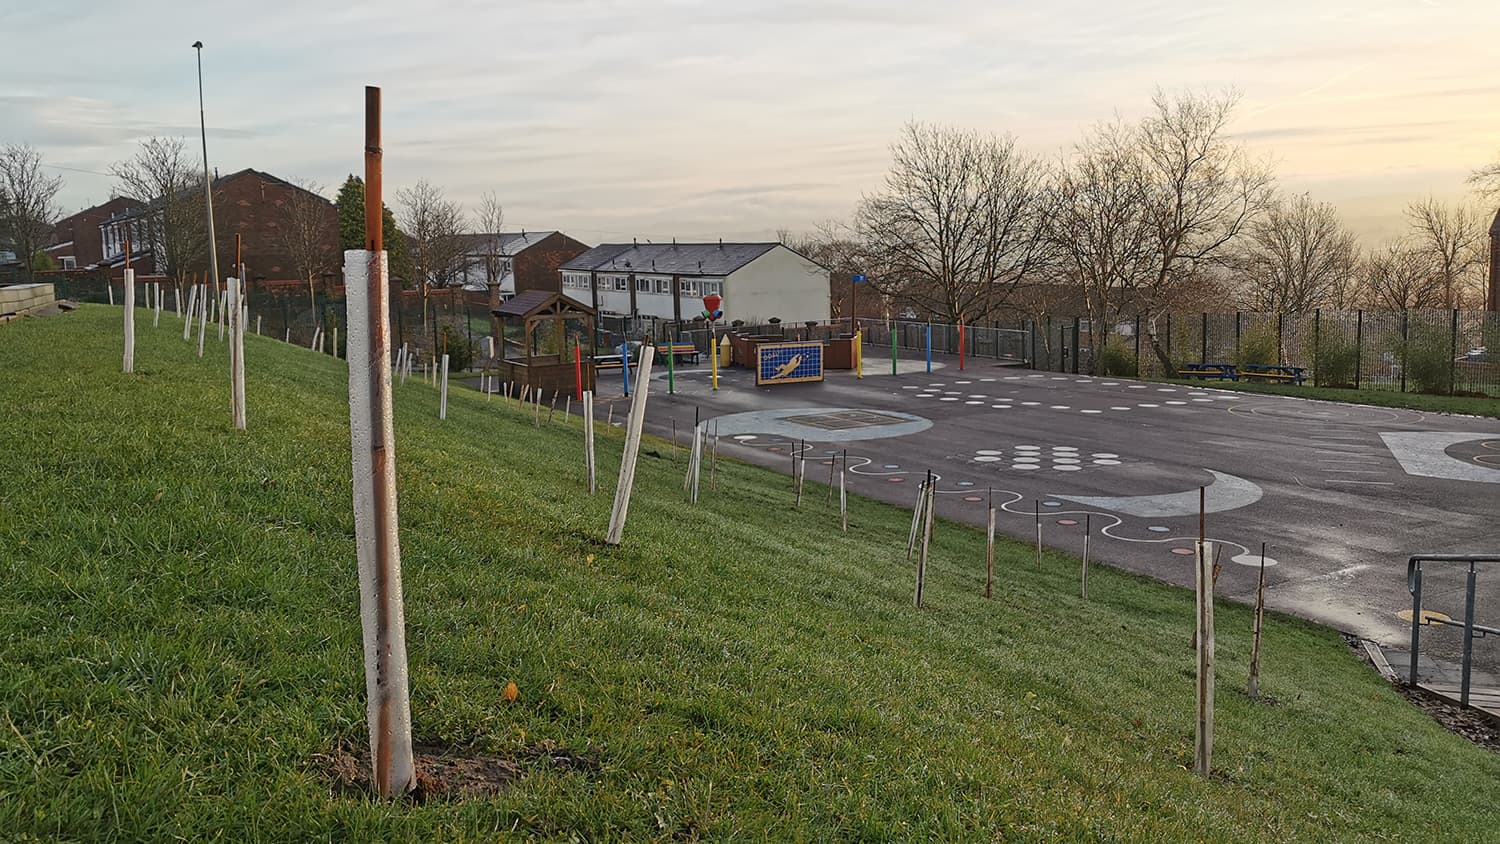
(671,371)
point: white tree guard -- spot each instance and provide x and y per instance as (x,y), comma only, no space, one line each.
(632,448)
(129,365)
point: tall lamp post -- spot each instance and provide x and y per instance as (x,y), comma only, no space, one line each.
(208,194)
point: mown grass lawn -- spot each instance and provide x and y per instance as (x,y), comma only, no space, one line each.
(1471,405)
(179,642)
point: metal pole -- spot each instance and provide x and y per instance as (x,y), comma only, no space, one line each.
(1359,344)
(1463,692)
(1416,621)
(208,194)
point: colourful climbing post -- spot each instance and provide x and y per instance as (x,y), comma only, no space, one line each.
(625,364)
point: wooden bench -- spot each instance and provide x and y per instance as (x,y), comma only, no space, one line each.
(1269,372)
(602,362)
(680,352)
(1219,371)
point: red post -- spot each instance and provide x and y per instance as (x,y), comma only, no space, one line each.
(578,370)
(960,344)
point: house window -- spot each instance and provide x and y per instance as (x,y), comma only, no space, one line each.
(664,286)
(68,263)
(622,284)
(643,285)
(713,288)
(689,288)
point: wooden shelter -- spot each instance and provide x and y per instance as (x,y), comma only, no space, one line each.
(542,332)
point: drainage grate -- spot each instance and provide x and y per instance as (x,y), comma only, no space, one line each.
(844,420)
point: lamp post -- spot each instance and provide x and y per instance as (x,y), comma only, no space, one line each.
(208,194)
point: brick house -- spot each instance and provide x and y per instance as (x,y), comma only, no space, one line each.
(528,260)
(78,240)
(249,203)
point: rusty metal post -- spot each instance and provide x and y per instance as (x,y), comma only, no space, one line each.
(377,532)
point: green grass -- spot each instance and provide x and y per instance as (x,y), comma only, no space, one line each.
(179,640)
(1472,405)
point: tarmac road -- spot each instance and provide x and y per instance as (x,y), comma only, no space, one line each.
(1342,494)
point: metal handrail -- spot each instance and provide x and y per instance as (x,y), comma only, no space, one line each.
(1414,586)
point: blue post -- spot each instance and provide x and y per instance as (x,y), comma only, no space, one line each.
(929,347)
(625,364)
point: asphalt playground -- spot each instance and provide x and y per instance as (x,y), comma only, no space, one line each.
(1340,494)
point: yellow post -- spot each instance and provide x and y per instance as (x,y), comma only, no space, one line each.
(859,353)
(713,358)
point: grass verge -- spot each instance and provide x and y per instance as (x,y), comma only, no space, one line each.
(180,643)
(1472,405)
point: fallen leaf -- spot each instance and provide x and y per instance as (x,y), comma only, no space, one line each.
(511,692)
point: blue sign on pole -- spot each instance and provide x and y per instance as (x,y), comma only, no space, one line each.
(858,278)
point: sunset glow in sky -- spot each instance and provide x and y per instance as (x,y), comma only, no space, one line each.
(702,119)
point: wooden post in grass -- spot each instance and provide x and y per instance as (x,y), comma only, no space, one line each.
(588,438)
(697,461)
(376,528)
(674,446)
(552,408)
(443,389)
(202,318)
(799,467)
(568,408)
(192,302)
(109,287)
(156,302)
(926,540)
(609,421)
(1083,573)
(844,495)
(833,463)
(632,447)
(335,343)
(129,327)
(916,519)
(236,357)
(713,461)
(536,419)
(1203,637)
(1260,615)
(989,550)
(1037,506)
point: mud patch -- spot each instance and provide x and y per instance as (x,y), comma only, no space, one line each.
(450,774)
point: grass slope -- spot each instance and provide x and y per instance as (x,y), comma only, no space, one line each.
(1471,405)
(179,640)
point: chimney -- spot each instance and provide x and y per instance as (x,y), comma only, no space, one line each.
(721,243)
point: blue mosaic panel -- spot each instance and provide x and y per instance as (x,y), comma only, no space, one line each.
(788,363)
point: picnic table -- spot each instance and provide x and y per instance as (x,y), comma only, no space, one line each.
(1220,371)
(1273,372)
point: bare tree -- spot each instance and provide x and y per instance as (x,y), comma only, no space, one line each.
(1100,228)
(1296,258)
(1486,180)
(174,224)
(1203,192)
(1401,277)
(28,210)
(490,219)
(959,224)
(434,228)
(1453,240)
(309,234)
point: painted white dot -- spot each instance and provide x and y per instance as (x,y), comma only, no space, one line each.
(988,451)
(1107,455)
(1197,394)
(743,437)
(1118,407)
(1025,466)
(1090,411)
(1083,381)
(1210,401)
(1106,462)
(1060,407)
(1059,378)
(923,396)
(1158,528)
(1166,389)
(963,382)
(1036,376)
(947,398)
(910,387)
(1031,404)
(1027,460)
(1012,377)
(1065,468)
(1109,383)
(1147,404)
(973,402)
(1002,406)
(986,458)
(978,396)
(1065,448)
(1028,448)
(1171,402)
(987,380)
(953,392)
(1137,386)
(1066,461)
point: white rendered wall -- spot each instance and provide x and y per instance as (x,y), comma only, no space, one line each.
(779,283)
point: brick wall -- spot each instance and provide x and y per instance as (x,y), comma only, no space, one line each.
(536,268)
(254,206)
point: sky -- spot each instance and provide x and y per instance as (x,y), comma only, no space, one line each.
(701,119)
